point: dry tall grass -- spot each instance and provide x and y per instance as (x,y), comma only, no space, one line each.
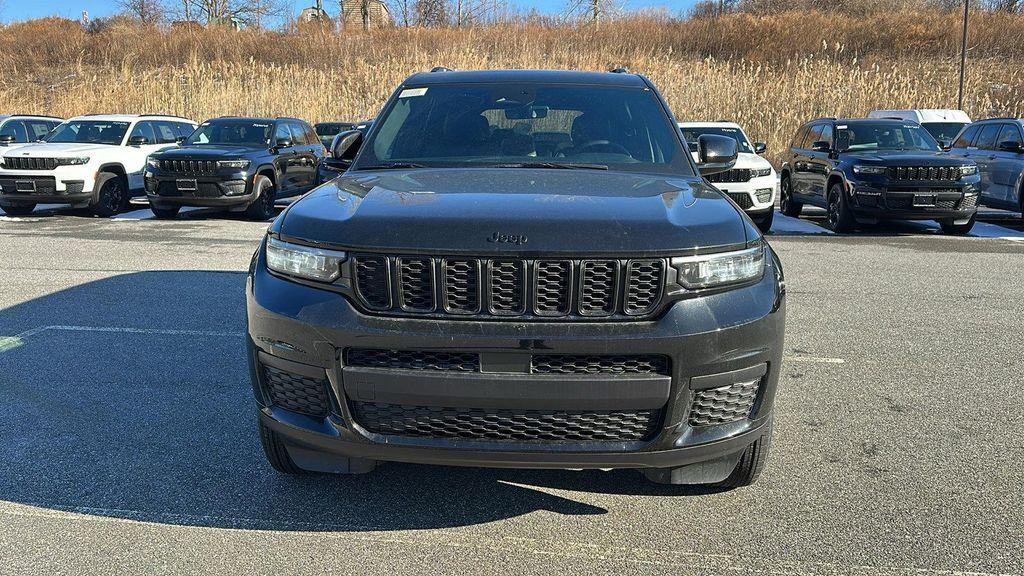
(761,72)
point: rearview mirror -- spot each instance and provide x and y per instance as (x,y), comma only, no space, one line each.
(716,153)
(138,141)
(821,146)
(1011,146)
(760,147)
(526,112)
(346,145)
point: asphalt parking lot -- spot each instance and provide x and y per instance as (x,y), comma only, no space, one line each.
(128,444)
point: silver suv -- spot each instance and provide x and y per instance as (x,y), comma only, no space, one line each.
(997,146)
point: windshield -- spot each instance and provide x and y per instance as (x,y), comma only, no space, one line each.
(690,134)
(331,129)
(526,125)
(884,136)
(88,132)
(945,131)
(232,133)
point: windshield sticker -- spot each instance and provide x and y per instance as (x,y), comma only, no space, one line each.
(262,125)
(411,92)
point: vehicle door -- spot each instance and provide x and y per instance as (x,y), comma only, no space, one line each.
(285,157)
(36,129)
(1006,165)
(820,162)
(798,162)
(983,152)
(134,159)
(305,155)
(804,166)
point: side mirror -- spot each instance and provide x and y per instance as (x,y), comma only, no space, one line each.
(138,141)
(716,153)
(283,143)
(346,145)
(821,146)
(1011,146)
(760,147)
(945,144)
(6,139)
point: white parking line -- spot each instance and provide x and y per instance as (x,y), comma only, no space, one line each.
(814,359)
(783,224)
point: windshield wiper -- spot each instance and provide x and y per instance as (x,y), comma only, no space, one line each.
(555,165)
(392,166)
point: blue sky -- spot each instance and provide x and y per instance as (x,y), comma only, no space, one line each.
(25,9)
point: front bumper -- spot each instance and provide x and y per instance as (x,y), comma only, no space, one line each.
(709,341)
(225,190)
(954,202)
(44,187)
(755,196)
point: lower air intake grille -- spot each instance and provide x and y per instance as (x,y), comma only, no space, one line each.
(412,359)
(742,199)
(507,425)
(725,404)
(599,364)
(296,392)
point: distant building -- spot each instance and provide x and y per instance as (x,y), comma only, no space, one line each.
(377,13)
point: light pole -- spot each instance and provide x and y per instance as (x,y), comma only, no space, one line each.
(963,56)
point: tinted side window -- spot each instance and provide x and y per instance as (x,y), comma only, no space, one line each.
(826,134)
(16,129)
(987,139)
(281,131)
(165,132)
(144,129)
(311,137)
(1010,133)
(184,130)
(967,136)
(298,133)
(801,134)
(813,135)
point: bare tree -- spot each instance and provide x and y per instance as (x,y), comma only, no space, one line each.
(145,11)
(250,12)
(431,13)
(593,11)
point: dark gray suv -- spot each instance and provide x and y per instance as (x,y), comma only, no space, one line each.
(996,145)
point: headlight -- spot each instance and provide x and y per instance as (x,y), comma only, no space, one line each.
(152,162)
(719,269)
(761,172)
(868,169)
(237,164)
(74,161)
(969,170)
(304,261)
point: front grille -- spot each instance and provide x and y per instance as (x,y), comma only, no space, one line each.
(44,185)
(412,359)
(189,166)
(945,199)
(929,173)
(497,425)
(724,404)
(27,163)
(599,364)
(742,199)
(169,188)
(734,175)
(296,392)
(481,287)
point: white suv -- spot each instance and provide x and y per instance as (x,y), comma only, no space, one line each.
(94,161)
(752,183)
(19,129)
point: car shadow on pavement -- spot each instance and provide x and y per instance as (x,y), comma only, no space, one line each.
(129,397)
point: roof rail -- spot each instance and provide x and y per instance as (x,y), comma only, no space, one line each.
(619,70)
(999,118)
(441,69)
(33,116)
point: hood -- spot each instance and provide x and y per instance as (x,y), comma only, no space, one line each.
(48,150)
(905,157)
(516,211)
(205,152)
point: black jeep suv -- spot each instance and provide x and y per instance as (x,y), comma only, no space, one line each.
(525,269)
(242,164)
(865,170)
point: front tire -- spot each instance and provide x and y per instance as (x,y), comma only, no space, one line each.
(764,223)
(949,227)
(18,209)
(751,464)
(262,208)
(276,452)
(787,205)
(111,195)
(840,216)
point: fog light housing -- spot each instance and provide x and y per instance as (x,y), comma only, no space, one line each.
(765,195)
